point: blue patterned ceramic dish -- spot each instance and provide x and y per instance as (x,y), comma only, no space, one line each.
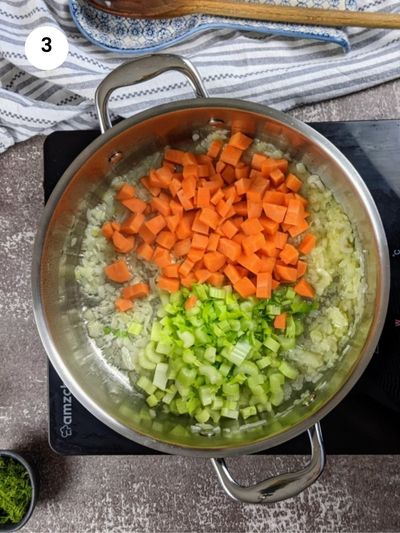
(141,36)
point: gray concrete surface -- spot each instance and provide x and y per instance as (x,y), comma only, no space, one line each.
(161,494)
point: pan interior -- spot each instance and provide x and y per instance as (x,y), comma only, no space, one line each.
(103,390)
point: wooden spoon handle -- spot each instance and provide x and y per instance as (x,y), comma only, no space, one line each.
(234,9)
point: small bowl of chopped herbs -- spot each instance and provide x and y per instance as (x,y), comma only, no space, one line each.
(18,491)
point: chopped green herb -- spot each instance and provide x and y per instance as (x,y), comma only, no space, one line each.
(15,491)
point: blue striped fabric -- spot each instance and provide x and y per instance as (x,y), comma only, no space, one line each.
(276,70)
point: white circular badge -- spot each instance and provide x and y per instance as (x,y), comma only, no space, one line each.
(46,47)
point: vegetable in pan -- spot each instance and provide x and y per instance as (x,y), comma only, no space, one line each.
(226,278)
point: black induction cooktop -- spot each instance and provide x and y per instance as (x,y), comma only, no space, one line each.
(367,421)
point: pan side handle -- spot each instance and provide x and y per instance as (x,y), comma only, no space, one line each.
(280,487)
(138,71)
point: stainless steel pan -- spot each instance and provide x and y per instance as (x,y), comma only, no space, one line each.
(58,305)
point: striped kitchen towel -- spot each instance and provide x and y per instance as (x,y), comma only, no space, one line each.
(279,71)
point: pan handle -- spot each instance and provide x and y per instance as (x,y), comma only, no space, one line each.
(139,70)
(280,487)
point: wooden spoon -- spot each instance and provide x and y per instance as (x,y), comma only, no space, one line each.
(233,9)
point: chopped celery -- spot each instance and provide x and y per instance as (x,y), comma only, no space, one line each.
(222,357)
(271,344)
(135,328)
(160,376)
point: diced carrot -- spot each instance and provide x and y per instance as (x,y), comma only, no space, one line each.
(154,180)
(107,230)
(240,141)
(166,239)
(293,183)
(269,249)
(186,202)
(230,155)
(213,241)
(209,217)
(145,251)
(267,264)
(198,226)
(242,185)
(274,212)
(286,273)
(116,226)
(304,289)
(175,156)
(138,290)
(132,224)
(289,255)
(214,148)
(123,244)
(175,186)
(277,177)
(295,212)
(164,175)
(172,222)
(189,186)
(280,321)
(232,274)
(229,248)
(135,205)
(182,247)
(217,197)
(189,159)
(171,271)
(303,200)
(185,267)
(275,284)
(301,268)
(264,285)
(190,302)
(229,228)
(254,174)
(270,165)
(168,284)
(258,160)
(280,239)
(125,192)
(239,238)
(190,171)
(118,272)
(154,191)
(242,171)
(307,244)
(245,287)
(223,208)
(161,205)
(195,254)
(202,274)
(214,261)
(156,224)
(188,281)
(219,167)
(294,231)
(270,226)
(216,279)
(122,305)
(203,197)
(251,226)
(176,208)
(147,235)
(170,165)
(251,262)
(254,209)
(228,174)
(161,257)
(184,226)
(274,197)
(252,243)
(241,208)
(199,241)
